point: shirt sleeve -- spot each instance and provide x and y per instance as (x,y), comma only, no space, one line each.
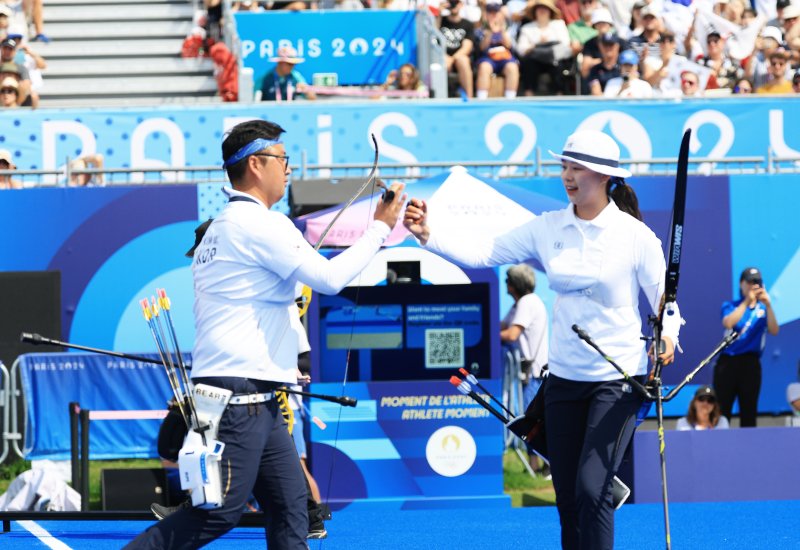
(478,250)
(331,276)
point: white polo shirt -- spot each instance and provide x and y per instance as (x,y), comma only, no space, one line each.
(597,268)
(246,319)
(530,314)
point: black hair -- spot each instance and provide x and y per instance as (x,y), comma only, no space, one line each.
(242,134)
(623,196)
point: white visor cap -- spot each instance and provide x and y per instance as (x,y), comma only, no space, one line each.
(594,150)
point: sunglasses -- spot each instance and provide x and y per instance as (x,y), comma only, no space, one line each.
(713,40)
(707,399)
(8,91)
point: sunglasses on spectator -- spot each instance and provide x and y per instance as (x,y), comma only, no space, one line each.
(707,399)
(666,39)
(8,91)
(777,62)
(712,40)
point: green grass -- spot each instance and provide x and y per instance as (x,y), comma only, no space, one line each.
(518,483)
(524,489)
(9,471)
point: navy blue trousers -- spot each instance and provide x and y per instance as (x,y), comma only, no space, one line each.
(259,458)
(588,427)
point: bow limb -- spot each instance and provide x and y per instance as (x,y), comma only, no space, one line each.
(369,181)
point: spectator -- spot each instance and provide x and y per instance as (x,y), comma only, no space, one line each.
(725,72)
(570,10)
(495,53)
(35,64)
(778,83)
(8,51)
(226,71)
(757,66)
(459,36)
(744,86)
(636,26)
(664,73)
(583,30)
(780,5)
(793,398)
(37,16)
(796,82)
(704,413)
(737,373)
(608,68)
(5,17)
(284,83)
(791,28)
(6,163)
(602,24)
(9,91)
(526,325)
(690,84)
(405,78)
(628,84)
(18,20)
(646,44)
(84,162)
(789,17)
(541,44)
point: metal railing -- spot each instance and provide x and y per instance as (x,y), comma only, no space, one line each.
(540,166)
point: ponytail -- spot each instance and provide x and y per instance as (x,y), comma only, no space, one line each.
(623,196)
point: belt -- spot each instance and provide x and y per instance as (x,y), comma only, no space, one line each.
(251,398)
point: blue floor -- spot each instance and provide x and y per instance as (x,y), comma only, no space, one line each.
(771,525)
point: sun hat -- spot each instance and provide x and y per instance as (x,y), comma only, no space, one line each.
(594,150)
(287,54)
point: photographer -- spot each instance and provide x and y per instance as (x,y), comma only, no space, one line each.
(738,369)
(628,84)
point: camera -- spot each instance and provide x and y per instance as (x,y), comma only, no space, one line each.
(625,78)
(757,281)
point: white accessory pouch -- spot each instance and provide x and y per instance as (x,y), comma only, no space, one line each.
(200,457)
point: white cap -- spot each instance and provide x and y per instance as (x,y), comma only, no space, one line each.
(774,33)
(594,150)
(791,11)
(601,15)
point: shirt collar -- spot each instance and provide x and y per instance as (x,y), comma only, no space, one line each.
(231,192)
(602,220)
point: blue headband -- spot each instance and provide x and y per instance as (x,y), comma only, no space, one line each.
(252,147)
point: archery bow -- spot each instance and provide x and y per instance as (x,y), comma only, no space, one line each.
(304,300)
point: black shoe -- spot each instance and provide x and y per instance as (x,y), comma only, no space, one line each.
(317,531)
(160,511)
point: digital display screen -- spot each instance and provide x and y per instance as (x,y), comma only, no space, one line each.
(403,332)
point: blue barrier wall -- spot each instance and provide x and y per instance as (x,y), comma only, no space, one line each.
(407,132)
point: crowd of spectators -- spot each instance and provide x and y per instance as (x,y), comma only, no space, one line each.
(618,48)
(21,66)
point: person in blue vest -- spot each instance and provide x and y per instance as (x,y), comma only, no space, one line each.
(737,373)
(284,82)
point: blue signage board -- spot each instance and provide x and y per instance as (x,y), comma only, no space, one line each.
(361,47)
(405,443)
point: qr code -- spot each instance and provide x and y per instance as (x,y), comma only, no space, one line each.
(444,348)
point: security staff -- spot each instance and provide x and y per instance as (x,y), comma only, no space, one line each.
(597,255)
(245,271)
